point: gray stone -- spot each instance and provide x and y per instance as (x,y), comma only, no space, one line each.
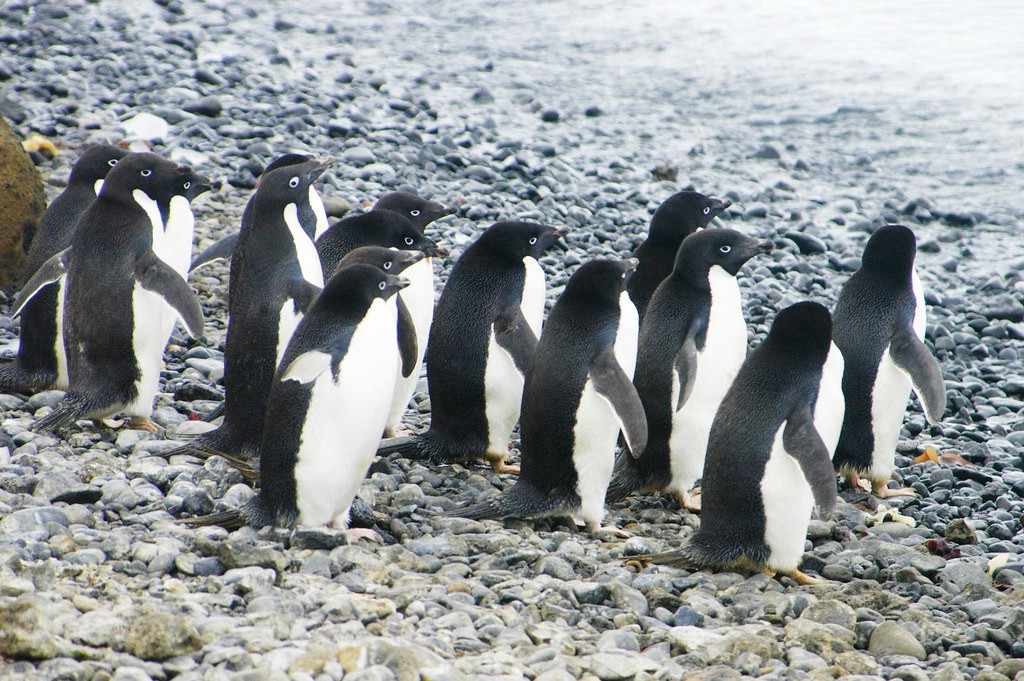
(889,638)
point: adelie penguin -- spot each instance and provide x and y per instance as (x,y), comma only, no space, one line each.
(116,288)
(693,341)
(578,395)
(275,275)
(328,405)
(481,344)
(679,216)
(311,214)
(767,466)
(41,362)
(879,325)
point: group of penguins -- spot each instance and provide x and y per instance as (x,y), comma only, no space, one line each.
(328,326)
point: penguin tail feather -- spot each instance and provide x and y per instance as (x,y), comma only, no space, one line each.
(490,509)
(439,448)
(394,445)
(14,379)
(229,520)
(521,500)
(217,412)
(66,413)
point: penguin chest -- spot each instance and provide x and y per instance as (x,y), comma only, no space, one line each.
(175,248)
(787,500)
(59,352)
(345,417)
(725,348)
(305,249)
(419,299)
(532,303)
(830,408)
(627,335)
(317,204)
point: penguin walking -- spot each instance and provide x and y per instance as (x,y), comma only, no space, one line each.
(693,341)
(275,275)
(41,362)
(396,225)
(679,216)
(879,325)
(767,466)
(578,395)
(116,287)
(481,343)
(328,404)
(311,212)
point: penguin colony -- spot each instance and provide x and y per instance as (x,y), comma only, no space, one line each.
(639,380)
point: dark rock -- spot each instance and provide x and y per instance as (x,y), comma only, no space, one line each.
(207,106)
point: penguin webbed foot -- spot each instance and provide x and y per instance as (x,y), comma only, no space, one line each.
(608,531)
(802,578)
(690,501)
(354,534)
(142,423)
(500,465)
(882,491)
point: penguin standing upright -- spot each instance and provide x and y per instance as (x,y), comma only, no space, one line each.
(115,290)
(275,275)
(767,466)
(879,325)
(394,227)
(41,362)
(311,213)
(693,341)
(328,405)
(578,395)
(679,216)
(481,343)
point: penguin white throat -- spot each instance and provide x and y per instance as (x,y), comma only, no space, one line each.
(305,249)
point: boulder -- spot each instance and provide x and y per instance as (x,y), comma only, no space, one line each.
(22,202)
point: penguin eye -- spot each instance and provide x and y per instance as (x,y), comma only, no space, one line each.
(381,285)
(387,265)
(533,240)
(706,210)
(409,241)
(725,249)
(112,162)
(293,183)
(146,173)
(187,185)
(414,212)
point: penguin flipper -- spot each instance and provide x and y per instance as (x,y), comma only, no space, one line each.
(912,357)
(612,383)
(302,294)
(407,346)
(49,272)
(306,367)
(153,274)
(685,365)
(514,335)
(801,441)
(224,248)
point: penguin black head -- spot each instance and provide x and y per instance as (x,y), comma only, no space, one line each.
(289,159)
(683,213)
(389,260)
(805,328)
(601,280)
(725,248)
(95,162)
(154,176)
(517,240)
(420,211)
(891,250)
(393,230)
(361,282)
(290,183)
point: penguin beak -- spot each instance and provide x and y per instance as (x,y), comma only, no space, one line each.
(202,184)
(318,167)
(400,282)
(412,257)
(765,246)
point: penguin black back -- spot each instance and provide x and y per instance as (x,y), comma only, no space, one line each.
(779,377)
(876,299)
(374,228)
(679,216)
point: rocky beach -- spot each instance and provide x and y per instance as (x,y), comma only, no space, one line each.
(818,124)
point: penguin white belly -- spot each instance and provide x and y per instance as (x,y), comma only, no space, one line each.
(889,398)
(788,502)
(725,348)
(503,395)
(287,320)
(597,426)
(830,408)
(419,299)
(305,249)
(59,352)
(532,302)
(345,418)
(148,347)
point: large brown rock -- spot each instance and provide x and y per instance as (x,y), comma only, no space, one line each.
(22,201)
